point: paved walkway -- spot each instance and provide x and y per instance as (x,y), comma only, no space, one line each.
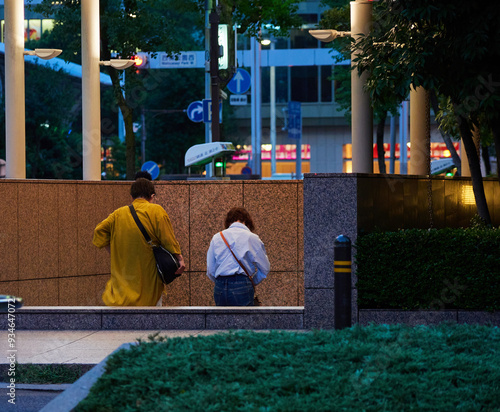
(80,347)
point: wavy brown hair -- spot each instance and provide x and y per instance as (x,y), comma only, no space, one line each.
(239,214)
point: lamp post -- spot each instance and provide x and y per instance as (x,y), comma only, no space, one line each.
(91,109)
(362,113)
(15,118)
(272,105)
(91,89)
(256,108)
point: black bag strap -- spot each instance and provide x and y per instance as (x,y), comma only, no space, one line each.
(139,224)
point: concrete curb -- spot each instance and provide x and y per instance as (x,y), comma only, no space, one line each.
(79,390)
(60,387)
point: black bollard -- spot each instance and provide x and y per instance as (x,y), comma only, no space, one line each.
(342,281)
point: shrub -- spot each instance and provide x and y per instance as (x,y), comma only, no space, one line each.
(429,269)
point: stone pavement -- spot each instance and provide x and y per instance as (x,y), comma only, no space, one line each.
(79,347)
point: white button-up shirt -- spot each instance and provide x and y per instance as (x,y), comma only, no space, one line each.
(247,247)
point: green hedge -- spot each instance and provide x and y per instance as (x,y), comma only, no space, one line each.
(429,269)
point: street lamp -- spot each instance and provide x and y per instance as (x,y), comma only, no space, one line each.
(119,64)
(45,54)
(328,35)
(91,87)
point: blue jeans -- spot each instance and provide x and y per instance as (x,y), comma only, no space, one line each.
(235,290)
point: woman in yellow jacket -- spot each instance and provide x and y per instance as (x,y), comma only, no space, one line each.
(134,279)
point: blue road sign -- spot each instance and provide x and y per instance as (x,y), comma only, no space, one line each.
(152,168)
(195,111)
(240,82)
(207,111)
(294,120)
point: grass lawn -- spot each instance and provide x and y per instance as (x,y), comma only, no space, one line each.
(375,368)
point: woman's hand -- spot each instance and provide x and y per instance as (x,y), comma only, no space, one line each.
(182,266)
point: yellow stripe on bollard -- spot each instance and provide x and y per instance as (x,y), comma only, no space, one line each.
(342,270)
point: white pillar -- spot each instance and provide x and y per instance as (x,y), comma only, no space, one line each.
(15,126)
(256,109)
(362,114)
(91,106)
(420,150)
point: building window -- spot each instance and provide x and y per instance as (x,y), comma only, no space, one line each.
(326,84)
(304,83)
(33,28)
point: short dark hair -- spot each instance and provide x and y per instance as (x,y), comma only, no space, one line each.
(142,188)
(143,173)
(239,214)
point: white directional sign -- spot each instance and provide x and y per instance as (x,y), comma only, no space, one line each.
(238,100)
(182,60)
(240,82)
(207,111)
(195,111)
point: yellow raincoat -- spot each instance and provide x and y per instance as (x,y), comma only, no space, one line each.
(134,279)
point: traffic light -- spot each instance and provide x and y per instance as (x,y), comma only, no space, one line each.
(141,61)
(220,167)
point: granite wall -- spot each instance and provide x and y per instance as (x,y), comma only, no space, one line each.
(350,204)
(46,227)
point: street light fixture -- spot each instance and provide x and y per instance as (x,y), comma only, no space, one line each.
(119,64)
(328,35)
(45,54)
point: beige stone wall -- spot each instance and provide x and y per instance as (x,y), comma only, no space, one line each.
(47,256)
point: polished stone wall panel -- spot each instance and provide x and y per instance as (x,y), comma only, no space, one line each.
(104,205)
(174,198)
(274,210)
(68,229)
(39,292)
(9,288)
(9,236)
(202,290)
(209,204)
(330,210)
(300,227)
(438,204)
(28,229)
(48,237)
(121,194)
(279,289)
(177,293)
(87,252)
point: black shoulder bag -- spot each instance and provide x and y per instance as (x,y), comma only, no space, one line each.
(166,263)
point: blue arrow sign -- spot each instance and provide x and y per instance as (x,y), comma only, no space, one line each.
(152,168)
(240,82)
(195,111)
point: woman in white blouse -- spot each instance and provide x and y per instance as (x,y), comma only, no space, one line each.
(236,260)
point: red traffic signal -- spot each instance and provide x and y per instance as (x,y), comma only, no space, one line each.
(140,61)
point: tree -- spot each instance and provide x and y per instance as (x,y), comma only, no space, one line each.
(52,104)
(153,26)
(447,45)
(125,27)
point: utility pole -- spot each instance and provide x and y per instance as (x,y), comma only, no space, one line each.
(214,72)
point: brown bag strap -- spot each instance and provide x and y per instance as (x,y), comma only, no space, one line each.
(243,267)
